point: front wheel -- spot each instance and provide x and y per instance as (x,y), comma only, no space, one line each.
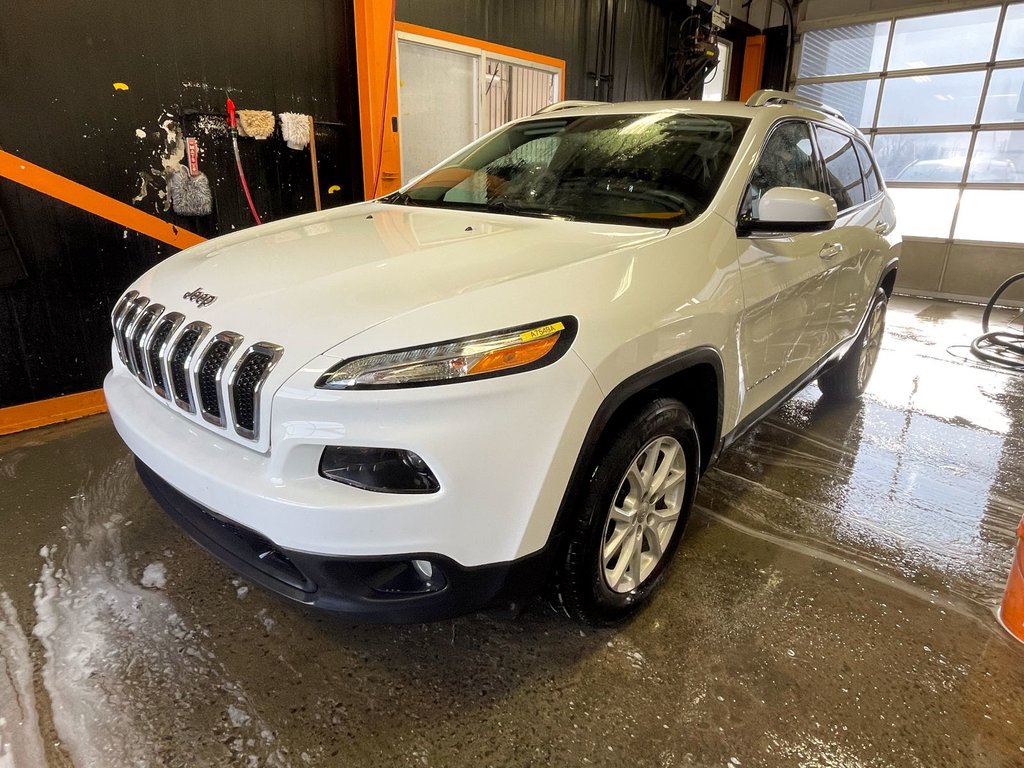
(633,513)
(848,378)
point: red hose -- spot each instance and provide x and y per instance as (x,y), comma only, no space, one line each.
(233,128)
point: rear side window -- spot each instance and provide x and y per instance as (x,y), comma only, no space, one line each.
(787,160)
(842,171)
(868,171)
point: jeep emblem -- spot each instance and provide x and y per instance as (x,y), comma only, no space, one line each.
(201,299)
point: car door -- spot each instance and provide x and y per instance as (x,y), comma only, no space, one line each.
(785,276)
(864,226)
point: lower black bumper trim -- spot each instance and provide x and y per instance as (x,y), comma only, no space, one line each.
(339,584)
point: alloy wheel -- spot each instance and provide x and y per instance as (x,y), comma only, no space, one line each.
(643,514)
(872,343)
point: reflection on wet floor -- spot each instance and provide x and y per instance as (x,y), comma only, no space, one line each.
(831,606)
(921,479)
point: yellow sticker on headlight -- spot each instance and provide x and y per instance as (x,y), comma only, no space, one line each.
(540,333)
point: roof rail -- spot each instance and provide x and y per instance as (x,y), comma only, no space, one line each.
(768,96)
(570,104)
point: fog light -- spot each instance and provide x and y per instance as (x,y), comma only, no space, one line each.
(387,470)
(424,568)
(400,578)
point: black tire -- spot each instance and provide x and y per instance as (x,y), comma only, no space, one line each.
(847,379)
(582,586)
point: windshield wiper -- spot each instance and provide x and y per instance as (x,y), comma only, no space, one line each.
(401,198)
(503,206)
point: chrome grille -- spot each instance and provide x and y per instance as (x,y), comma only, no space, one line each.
(180,365)
(245,384)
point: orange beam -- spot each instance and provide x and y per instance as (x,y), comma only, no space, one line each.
(53,411)
(377,77)
(71,192)
(753,66)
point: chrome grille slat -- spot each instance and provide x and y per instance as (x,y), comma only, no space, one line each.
(180,360)
(210,372)
(157,346)
(140,340)
(131,321)
(116,321)
(245,384)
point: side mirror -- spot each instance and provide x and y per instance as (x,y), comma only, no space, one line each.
(792,209)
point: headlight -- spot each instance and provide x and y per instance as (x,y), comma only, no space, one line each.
(477,357)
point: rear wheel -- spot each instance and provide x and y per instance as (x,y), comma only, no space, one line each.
(848,378)
(633,513)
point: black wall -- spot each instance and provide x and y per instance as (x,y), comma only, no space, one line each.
(58,109)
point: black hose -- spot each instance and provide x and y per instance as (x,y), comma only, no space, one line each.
(1004,348)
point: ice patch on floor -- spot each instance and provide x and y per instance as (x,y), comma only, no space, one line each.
(155,576)
(122,668)
(237,716)
(9,465)
(21,743)
(264,618)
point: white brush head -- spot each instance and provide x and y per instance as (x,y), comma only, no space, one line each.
(190,195)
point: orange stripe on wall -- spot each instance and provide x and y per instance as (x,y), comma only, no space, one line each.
(73,193)
(43,412)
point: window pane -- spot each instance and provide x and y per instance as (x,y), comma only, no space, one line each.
(924,212)
(949,38)
(867,170)
(512,91)
(841,167)
(1011,40)
(991,214)
(924,157)
(998,157)
(856,100)
(844,50)
(439,98)
(931,99)
(654,169)
(1004,102)
(787,160)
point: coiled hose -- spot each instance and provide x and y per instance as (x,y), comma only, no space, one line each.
(1004,348)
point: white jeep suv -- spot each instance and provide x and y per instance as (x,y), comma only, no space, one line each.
(512,372)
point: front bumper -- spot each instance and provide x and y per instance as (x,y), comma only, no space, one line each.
(346,586)
(502,449)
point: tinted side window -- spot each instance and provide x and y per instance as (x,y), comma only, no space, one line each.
(868,170)
(842,170)
(788,160)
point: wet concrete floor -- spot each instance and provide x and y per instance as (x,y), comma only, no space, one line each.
(832,606)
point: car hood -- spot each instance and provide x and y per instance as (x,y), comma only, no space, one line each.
(313,281)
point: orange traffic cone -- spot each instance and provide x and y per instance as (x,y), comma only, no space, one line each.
(1011,615)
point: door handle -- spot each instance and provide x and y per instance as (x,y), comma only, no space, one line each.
(828,250)
(882,228)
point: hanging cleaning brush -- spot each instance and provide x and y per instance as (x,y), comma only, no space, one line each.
(233,130)
(188,186)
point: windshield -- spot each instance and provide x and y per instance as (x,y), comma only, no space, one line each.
(659,169)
